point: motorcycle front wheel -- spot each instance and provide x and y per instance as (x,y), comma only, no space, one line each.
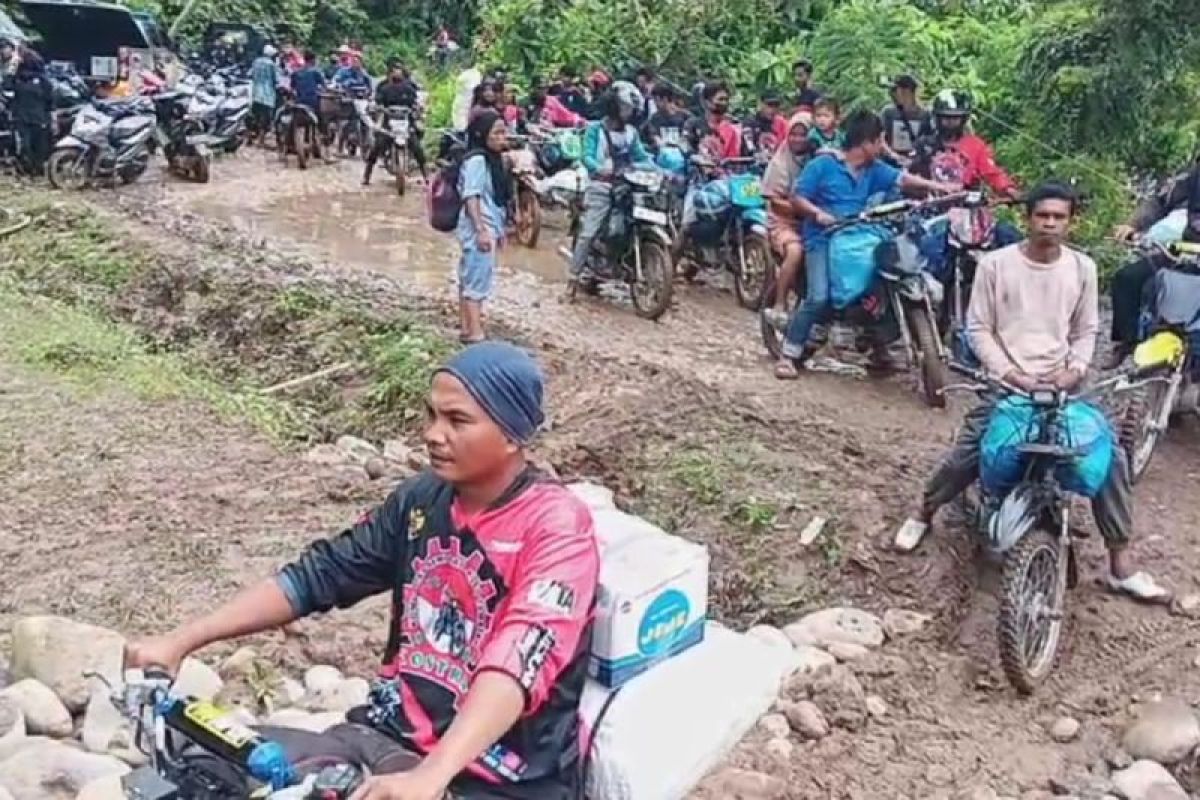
(1029,629)
(67,170)
(529,216)
(750,277)
(201,170)
(934,376)
(652,294)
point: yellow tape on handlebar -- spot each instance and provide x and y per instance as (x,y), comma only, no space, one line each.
(1165,349)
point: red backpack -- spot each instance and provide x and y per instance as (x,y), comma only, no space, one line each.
(444,201)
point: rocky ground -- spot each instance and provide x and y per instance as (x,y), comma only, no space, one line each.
(130,505)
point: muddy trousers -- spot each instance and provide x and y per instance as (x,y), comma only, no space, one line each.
(959,468)
(33,142)
(597,200)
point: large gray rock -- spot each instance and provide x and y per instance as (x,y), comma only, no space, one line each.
(356,450)
(848,625)
(58,651)
(45,714)
(806,719)
(106,730)
(12,727)
(1147,780)
(1166,732)
(51,770)
(322,678)
(197,679)
(103,789)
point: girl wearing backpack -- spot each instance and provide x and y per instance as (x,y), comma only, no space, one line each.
(485,190)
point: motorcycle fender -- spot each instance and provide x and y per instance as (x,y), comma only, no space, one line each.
(655,233)
(913,288)
(1015,518)
(70,143)
(202,150)
(759,230)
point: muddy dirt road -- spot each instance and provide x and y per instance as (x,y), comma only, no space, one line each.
(627,397)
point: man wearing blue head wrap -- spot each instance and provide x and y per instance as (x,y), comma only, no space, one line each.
(492,569)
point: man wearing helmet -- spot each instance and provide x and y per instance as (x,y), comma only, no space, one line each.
(953,154)
(610,146)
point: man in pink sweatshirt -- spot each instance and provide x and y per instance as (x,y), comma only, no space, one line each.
(1032,322)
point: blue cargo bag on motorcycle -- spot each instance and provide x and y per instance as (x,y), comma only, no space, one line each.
(852,265)
(1015,421)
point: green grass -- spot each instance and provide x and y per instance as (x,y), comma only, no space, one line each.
(401,359)
(94,355)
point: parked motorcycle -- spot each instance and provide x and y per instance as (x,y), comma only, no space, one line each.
(184,142)
(527,207)
(108,141)
(731,233)
(224,113)
(633,247)
(886,283)
(1038,450)
(1170,324)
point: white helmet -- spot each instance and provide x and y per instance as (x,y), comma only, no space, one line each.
(269,51)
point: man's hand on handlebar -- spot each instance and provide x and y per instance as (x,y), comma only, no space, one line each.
(1124,233)
(414,785)
(1022,381)
(825,219)
(1066,379)
(157,651)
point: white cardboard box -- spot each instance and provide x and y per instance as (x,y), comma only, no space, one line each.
(652,601)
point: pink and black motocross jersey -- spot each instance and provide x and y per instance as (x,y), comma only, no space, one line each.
(510,589)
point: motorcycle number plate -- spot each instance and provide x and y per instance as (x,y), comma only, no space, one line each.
(643,214)
(399,127)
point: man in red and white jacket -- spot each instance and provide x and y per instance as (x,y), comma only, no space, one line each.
(952,154)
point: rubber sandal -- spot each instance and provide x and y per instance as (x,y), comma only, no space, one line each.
(786,371)
(910,535)
(1139,586)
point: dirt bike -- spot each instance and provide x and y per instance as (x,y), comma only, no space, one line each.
(396,125)
(736,238)
(296,132)
(198,751)
(908,292)
(1027,527)
(633,246)
(522,163)
(1171,320)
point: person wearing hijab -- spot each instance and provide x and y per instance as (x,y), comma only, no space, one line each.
(492,569)
(485,189)
(783,215)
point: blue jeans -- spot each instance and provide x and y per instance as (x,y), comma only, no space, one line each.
(815,308)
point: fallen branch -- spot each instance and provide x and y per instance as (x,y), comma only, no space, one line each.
(22,221)
(314,376)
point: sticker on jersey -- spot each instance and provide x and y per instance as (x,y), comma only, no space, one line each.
(553,596)
(416,522)
(503,762)
(449,606)
(534,648)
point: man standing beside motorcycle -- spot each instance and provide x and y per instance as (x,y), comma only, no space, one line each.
(610,147)
(1033,321)
(32,104)
(398,91)
(1129,282)
(837,184)
(265,78)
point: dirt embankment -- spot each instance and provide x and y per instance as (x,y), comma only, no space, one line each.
(265,277)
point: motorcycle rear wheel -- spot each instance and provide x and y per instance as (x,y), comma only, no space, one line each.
(934,375)
(1137,432)
(1028,635)
(201,171)
(749,279)
(399,158)
(652,295)
(67,170)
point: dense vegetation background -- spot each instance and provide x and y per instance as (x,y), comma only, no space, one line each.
(1101,91)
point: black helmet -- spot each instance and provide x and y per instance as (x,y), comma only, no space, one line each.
(952,103)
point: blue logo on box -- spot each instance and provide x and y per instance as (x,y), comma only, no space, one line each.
(664,620)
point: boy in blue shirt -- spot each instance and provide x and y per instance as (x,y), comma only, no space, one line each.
(835,185)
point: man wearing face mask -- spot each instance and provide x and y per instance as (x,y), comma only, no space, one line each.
(714,134)
(610,147)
